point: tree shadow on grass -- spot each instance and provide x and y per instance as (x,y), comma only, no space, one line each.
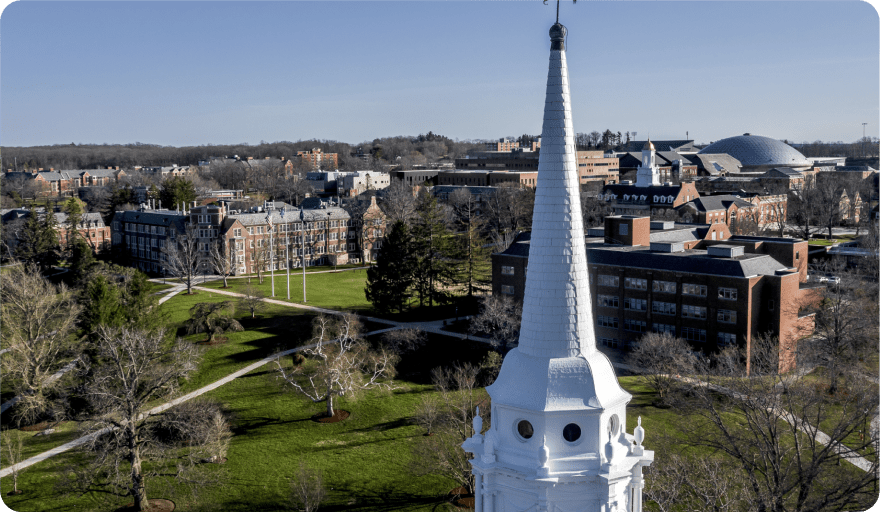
(385,497)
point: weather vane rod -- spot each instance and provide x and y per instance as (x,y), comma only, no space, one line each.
(557,8)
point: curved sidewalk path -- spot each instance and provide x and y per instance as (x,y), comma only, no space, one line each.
(159,409)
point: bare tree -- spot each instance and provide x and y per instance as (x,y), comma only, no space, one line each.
(343,363)
(399,202)
(252,299)
(499,318)
(307,489)
(661,357)
(404,340)
(129,442)
(769,425)
(696,483)
(183,256)
(459,398)
(12,442)
(427,413)
(507,212)
(38,321)
(223,260)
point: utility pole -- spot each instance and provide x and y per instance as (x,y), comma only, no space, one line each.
(863,139)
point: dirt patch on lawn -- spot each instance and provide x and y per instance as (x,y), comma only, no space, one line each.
(155,505)
(216,342)
(462,499)
(42,426)
(338,416)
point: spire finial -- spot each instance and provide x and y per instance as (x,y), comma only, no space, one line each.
(557,8)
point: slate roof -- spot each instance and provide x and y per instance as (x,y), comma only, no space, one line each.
(153,217)
(669,158)
(655,190)
(720,202)
(783,172)
(87,218)
(684,234)
(704,161)
(291,216)
(110,173)
(672,145)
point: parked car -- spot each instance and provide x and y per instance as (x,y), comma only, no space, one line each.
(834,280)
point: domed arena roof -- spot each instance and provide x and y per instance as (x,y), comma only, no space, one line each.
(758,151)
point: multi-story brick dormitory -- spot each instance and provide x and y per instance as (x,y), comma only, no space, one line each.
(695,281)
(66,182)
(330,235)
(91,226)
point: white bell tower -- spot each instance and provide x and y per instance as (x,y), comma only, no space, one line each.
(647,173)
(557,439)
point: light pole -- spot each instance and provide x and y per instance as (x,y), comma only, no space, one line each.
(327,244)
(271,252)
(863,139)
(286,248)
(302,218)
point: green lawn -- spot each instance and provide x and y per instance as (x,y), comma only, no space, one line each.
(337,291)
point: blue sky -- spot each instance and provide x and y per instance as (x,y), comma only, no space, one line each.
(185,73)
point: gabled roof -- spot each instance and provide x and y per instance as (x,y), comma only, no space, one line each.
(719,202)
(291,216)
(716,163)
(110,173)
(669,157)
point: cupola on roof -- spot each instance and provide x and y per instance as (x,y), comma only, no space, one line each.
(757,150)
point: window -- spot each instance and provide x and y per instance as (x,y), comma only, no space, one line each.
(351,247)
(725,293)
(609,342)
(694,334)
(507,269)
(634,325)
(727,316)
(636,283)
(693,312)
(609,301)
(659,307)
(607,322)
(236,232)
(692,289)
(663,328)
(609,281)
(663,286)
(507,289)
(624,229)
(726,339)
(250,230)
(635,304)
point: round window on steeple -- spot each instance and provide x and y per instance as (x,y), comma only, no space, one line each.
(524,429)
(571,432)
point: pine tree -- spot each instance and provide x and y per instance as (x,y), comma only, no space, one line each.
(39,241)
(177,190)
(102,305)
(474,271)
(432,242)
(390,279)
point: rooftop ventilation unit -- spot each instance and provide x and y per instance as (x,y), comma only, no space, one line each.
(725,251)
(667,247)
(662,225)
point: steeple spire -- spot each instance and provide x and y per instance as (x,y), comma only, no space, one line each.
(557,314)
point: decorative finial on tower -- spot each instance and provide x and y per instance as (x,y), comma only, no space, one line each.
(557,8)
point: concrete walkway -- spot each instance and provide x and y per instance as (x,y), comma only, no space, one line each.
(159,409)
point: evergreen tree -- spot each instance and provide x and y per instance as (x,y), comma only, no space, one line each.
(390,279)
(39,241)
(74,209)
(432,244)
(82,258)
(474,270)
(102,305)
(177,190)
(140,306)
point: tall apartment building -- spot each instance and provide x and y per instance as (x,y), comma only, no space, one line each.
(594,166)
(696,282)
(316,158)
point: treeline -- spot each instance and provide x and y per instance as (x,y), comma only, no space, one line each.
(863,147)
(416,149)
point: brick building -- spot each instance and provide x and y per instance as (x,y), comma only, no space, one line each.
(594,166)
(628,199)
(66,182)
(516,160)
(316,159)
(91,227)
(677,279)
(487,178)
(413,177)
(328,235)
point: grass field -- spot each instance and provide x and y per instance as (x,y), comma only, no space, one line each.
(337,291)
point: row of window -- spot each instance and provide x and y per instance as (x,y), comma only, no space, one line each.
(669,287)
(144,228)
(663,308)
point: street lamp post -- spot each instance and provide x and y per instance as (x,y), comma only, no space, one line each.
(286,248)
(302,218)
(327,244)
(271,252)
(863,139)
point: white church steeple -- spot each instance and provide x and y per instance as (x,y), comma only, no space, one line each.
(647,173)
(557,439)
